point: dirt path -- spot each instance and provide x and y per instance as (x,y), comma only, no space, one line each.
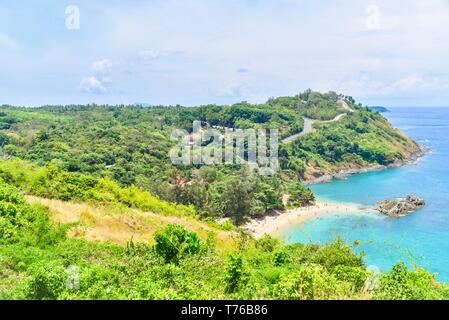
(344,105)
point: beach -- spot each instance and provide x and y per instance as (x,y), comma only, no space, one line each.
(274,223)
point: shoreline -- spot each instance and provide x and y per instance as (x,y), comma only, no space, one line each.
(344,173)
(273,224)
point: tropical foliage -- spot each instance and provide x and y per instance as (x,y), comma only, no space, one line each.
(116,158)
(38,261)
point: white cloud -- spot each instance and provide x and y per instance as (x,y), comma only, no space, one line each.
(296,45)
(242,70)
(410,82)
(101,81)
(417,82)
(362,85)
(92,85)
(102,66)
(106,80)
(365,86)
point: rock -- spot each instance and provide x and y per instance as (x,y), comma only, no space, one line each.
(400,207)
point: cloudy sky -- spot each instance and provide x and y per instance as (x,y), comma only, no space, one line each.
(393,53)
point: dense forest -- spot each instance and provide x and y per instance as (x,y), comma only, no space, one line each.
(92,187)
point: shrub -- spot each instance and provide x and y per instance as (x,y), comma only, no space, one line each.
(309,283)
(402,284)
(356,276)
(165,282)
(267,243)
(7,230)
(47,281)
(236,275)
(9,194)
(335,254)
(280,257)
(174,242)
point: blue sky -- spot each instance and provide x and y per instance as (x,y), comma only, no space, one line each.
(393,53)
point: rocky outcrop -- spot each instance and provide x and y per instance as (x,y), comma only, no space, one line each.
(400,207)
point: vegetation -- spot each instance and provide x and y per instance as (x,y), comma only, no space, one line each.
(39,262)
(103,147)
(92,208)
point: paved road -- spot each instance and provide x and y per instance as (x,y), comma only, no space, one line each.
(308,127)
(308,123)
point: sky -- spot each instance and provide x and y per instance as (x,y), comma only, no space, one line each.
(192,52)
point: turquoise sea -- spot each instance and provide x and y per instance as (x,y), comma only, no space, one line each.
(421,238)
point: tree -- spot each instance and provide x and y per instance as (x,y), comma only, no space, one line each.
(236,199)
(300,196)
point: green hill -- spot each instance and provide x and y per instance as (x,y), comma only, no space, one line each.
(130,145)
(91,190)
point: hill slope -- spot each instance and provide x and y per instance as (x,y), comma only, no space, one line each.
(89,192)
(130,145)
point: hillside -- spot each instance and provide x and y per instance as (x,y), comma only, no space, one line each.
(90,192)
(130,145)
(38,261)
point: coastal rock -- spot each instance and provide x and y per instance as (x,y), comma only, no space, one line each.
(400,207)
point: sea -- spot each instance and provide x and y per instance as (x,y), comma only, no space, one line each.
(419,239)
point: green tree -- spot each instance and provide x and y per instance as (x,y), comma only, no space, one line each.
(236,199)
(299,196)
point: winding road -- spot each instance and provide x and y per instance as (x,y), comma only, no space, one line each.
(308,123)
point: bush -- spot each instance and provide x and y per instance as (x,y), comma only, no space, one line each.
(47,281)
(310,283)
(268,243)
(9,194)
(165,282)
(8,231)
(356,276)
(174,242)
(402,284)
(280,257)
(336,254)
(236,275)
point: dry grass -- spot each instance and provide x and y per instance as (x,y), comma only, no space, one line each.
(119,225)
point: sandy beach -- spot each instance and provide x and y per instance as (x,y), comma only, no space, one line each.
(274,223)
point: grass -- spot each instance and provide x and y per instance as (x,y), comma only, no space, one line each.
(120,224)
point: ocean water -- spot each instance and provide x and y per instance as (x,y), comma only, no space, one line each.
(421,238)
